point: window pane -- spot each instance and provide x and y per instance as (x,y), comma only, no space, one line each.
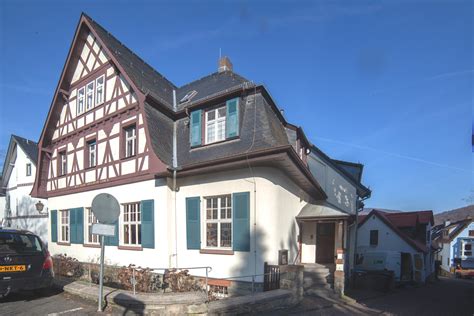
(210,133)
(134,234)
(211,115)
(126,232)
(468,247)
(221,112)
(221,130)
(209,214)
(226,234)
(139,234)
(211,235)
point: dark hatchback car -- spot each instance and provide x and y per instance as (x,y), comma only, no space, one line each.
(25,263)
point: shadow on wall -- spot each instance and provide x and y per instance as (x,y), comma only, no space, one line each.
(253,262)
(31,219)
(291,243)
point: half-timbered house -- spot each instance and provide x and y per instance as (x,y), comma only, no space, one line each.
(207,174)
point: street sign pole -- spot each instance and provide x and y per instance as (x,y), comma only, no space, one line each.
(101,283)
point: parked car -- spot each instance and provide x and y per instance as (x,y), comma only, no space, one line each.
(25,263)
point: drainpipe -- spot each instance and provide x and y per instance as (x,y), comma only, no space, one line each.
(359,208)
(175,166)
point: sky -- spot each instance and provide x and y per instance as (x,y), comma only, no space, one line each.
(388,84)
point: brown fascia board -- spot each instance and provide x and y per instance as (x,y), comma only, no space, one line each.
(288,149)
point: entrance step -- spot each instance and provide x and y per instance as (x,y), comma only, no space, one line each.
(318,279)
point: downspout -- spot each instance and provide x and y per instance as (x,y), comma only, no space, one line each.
(359,208)
(175,166)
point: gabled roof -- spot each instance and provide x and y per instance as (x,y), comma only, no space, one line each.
(453,229)
(28,146)
(399,220)
(145,77)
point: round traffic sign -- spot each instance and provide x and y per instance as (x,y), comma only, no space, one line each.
(106,208)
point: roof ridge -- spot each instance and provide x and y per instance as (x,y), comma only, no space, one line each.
(210,75)
(23,138)
(130,50)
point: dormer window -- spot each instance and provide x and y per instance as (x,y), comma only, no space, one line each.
(215,125)
(90,95)
(80,101)
(28,169)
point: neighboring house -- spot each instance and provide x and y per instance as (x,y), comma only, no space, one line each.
(455,242)
(398,240)
(2,202)
(18,176)
(207,174)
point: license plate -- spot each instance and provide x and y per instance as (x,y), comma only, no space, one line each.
(18,268)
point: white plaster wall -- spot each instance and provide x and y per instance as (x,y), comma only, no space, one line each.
(22,205)
(145,190)
(388,240)
(273,209)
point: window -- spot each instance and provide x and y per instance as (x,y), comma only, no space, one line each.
(64,226)
(374,237)
(91,153)
(28,169)
(471,233)
(80,101)
(130,141)
(90,219)
(90,95)
(62,163)
(467,251)
(131,223)
(215,125)
(219,222)
(99,90)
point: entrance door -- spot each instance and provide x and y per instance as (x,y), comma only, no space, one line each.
(325,243)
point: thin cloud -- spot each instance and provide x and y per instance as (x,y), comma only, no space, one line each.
(24,89)
(401,156)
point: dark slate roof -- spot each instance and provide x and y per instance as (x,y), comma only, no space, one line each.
(209,86)
(161,133)
(29,147)
(353,169)
(269,133)
(456,227)
(145,77)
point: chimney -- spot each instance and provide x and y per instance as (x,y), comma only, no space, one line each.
(447,222)
(224,64)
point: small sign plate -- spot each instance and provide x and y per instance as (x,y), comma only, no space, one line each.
(103,229)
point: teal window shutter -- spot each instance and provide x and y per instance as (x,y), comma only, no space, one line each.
(54,226)
(148,223)
(72,226)
(193,222)
(113,240)
(80,225)
(241,221)
(232,118)
(195,128)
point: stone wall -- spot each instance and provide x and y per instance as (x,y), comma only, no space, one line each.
(291,278)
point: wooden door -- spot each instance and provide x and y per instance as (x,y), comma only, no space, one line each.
(325,243)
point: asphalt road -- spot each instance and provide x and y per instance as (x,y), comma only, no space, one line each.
(49,302)
(443,297)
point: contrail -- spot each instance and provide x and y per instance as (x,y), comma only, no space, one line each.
(433,163)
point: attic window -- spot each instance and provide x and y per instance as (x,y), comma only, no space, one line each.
(188,96)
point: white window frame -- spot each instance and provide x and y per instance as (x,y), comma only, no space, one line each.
(132,151)
(217,221)
(130,216)
(215,123)
(90,95)
(92,153)
(101,88)
(64,226)
(463,248)
(63,163)
(81,93)
(90,219)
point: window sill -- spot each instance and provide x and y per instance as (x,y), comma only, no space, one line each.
(228,140)
(216,251)
(128,158)
(91,245)
(135,248)
(62,243)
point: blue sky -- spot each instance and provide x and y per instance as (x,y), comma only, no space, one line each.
(385,83)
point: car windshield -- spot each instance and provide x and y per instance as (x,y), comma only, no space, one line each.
(11,242)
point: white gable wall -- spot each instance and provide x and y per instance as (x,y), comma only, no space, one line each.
(23,209)
(388,240)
